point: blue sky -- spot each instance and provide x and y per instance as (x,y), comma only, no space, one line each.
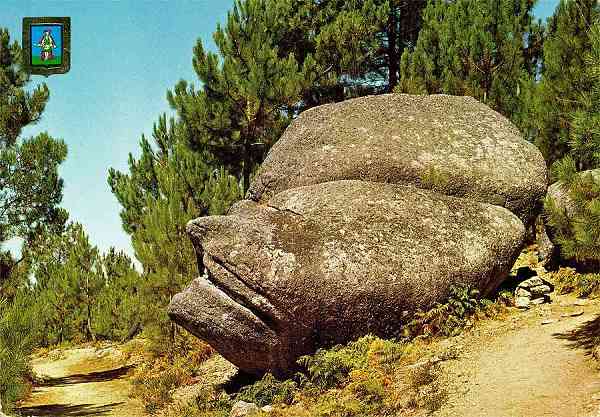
(124,57)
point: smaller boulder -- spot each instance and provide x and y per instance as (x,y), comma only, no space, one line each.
(532,291)
(540,290)
(522,302)
(531,282)
(522,292)
(540,300)
(244,409)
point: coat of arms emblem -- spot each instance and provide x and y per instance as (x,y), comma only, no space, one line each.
(47,45)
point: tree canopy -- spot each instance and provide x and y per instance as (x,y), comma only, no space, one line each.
(30,187)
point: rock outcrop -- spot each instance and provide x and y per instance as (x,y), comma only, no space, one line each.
(453,145)
(532,291)
(363,212)
(327,263)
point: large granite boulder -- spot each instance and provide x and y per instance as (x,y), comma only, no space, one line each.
(324,264)
(454,145)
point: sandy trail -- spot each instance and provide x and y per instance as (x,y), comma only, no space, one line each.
(86,382)
(523,368)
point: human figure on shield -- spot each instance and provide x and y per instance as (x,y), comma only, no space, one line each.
(47,44)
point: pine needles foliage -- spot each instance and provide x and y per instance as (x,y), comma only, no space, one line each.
(18,337)
(488,49)
(574,218)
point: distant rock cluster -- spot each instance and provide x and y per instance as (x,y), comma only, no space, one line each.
(363,211)
(532,291)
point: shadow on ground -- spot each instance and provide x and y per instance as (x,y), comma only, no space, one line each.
(102,376)
(236,382)
(586,336)
(66,410)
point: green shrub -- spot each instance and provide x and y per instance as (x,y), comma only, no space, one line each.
(329,368)
(576,230)
(268,390)
(209,403)
(17,340)
(153,383)
(155,380)
(449,318)
(568,280)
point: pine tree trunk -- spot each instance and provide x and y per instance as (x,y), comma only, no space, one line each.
(393,59)
(89,326)
(246,170)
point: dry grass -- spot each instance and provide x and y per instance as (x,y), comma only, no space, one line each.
(156,378)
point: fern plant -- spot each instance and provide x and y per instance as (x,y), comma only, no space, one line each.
(267,391)
(447,318)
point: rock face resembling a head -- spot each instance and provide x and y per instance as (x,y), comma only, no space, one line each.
(362,213)
(454,145)
(326,263)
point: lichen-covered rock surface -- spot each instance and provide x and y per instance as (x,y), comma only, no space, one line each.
(327,263)
(454,145)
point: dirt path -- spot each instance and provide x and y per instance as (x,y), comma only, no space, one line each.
(529,364)
(85,382)
(526,367)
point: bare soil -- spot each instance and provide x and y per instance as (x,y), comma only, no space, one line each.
(85,382)
(535,363)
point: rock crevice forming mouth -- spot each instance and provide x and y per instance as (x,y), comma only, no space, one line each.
(224,277)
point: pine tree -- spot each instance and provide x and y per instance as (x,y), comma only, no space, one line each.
(30,191)
(165,188)
(486,49)
(241,107)
(585,126)
(68,280)
(357,44)
(30,188)
(563,78)
(576,226)
(119,303)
